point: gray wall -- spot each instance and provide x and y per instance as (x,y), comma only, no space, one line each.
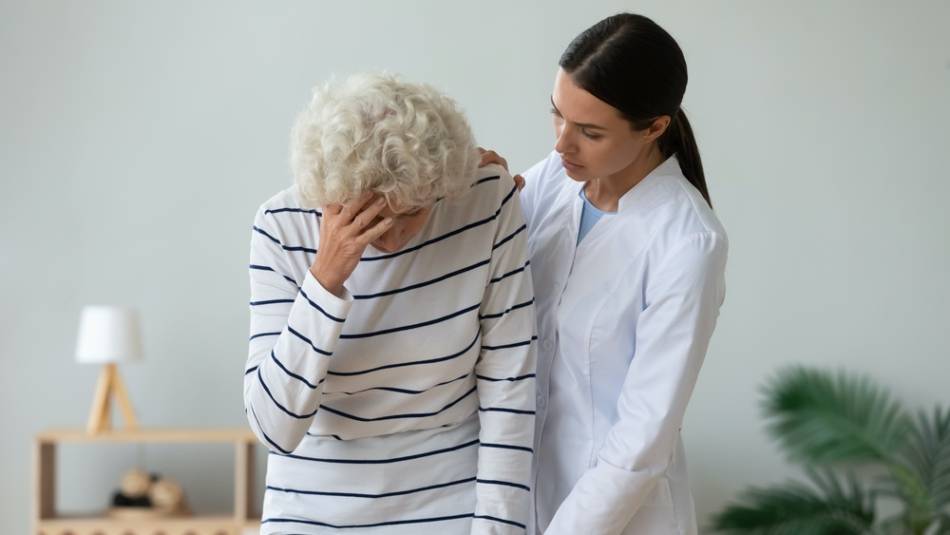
(138,138)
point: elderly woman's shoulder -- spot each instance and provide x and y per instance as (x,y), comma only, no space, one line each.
(286,201)
(492,183)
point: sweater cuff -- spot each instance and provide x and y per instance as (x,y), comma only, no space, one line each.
(332,305)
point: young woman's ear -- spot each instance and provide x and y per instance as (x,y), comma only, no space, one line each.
(657,128)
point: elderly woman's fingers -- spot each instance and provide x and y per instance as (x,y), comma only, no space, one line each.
(332,210)
(368,215)
(375,231)
(491,157)
(354,207)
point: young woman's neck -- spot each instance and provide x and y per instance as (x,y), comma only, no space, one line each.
(605,193)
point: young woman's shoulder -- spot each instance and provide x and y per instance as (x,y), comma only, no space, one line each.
(545,175)
(684,220)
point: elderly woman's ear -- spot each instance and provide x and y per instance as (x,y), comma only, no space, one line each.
(490,157)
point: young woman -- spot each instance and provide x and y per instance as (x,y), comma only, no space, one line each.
(628,261)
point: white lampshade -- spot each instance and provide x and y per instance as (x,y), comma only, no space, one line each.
(108,334)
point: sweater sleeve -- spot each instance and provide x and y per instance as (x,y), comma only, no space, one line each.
(294,330)
(505,374)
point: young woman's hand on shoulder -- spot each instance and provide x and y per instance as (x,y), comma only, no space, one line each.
(490,157)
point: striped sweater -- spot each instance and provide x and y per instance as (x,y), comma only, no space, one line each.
(407,405)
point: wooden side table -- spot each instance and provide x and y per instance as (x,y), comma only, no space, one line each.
(46,520)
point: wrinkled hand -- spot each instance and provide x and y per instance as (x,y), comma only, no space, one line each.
(491,157)
(345,231)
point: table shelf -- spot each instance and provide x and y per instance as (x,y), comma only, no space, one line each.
(47,520)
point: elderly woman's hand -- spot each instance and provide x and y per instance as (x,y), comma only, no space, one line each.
(491,157)
(345,231)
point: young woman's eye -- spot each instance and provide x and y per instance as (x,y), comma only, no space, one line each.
(590,135)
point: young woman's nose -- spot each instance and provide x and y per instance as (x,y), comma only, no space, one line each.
(564,142)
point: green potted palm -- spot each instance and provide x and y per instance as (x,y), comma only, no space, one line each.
(858,447)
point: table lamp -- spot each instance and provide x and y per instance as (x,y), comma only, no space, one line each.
(109,335)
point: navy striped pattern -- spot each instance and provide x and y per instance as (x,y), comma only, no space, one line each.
(412,393)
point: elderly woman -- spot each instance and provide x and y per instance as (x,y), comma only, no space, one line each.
(391,362)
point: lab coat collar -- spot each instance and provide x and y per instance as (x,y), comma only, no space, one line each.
(649,191)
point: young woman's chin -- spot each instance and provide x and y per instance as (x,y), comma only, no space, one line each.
(578,175)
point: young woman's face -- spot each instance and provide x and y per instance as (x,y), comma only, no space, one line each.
(593,139)
(406,224)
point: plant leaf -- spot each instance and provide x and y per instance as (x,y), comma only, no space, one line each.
(827,507)
(922,474)
(819,417)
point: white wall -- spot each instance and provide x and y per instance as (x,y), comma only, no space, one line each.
(138,138)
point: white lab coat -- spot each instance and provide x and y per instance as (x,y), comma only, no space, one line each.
(624,320)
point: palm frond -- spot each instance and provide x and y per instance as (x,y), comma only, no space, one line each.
(929,454)
(941,525)
(819,417)
(827,507)
(894,525)
(921,476)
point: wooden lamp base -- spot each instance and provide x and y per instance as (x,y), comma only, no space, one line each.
(110,384)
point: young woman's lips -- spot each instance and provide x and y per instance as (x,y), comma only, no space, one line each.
(571,165)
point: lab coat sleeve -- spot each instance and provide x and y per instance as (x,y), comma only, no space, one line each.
(505,379)
(681,307)
(294,330)
(531,193)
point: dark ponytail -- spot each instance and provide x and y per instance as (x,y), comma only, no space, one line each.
(679,140)
(633,64)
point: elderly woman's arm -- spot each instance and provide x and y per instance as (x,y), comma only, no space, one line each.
(295,329)
(505,378)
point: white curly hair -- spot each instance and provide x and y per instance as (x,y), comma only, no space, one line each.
(374,132)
